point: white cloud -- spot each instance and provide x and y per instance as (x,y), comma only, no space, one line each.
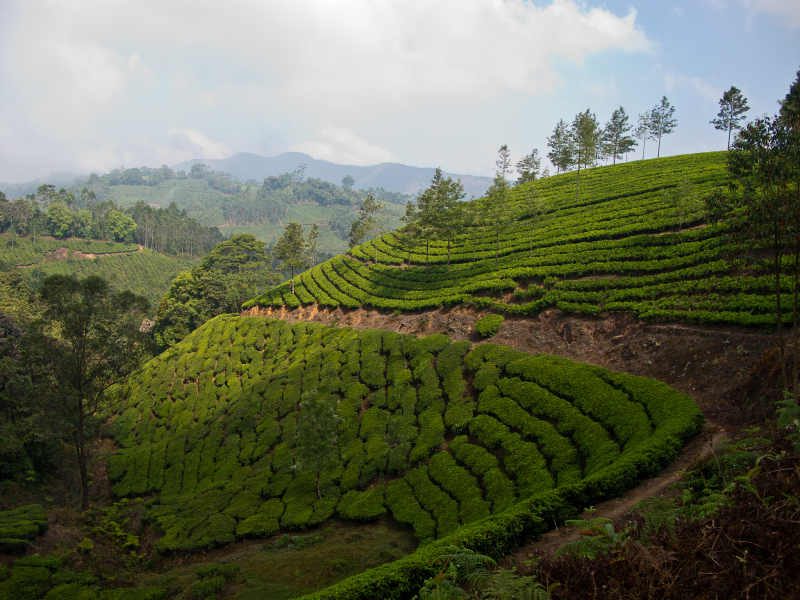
(673,80)
(343,146)
(68,69)
(189,139)
(786,11)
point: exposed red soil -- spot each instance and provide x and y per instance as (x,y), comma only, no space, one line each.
(710,364)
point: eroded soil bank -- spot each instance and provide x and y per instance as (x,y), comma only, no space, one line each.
(718,367)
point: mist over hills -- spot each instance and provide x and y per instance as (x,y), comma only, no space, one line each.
(394,177)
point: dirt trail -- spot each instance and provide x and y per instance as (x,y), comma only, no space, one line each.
(620,508)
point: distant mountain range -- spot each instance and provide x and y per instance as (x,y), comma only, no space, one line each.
(393,177)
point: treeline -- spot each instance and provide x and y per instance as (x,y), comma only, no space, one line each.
(64,214)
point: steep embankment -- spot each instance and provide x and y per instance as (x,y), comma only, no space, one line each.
(613,249)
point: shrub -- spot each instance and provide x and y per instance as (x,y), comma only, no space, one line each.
(489,325)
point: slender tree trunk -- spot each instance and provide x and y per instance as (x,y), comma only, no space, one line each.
(532,226)
(779,316)
(292,281)
(427,254)
(730,126)
(644,144)
(578,186)
(319,478)
(448,255)
(796,333)
(80,447)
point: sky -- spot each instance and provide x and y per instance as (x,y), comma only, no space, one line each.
(91,85)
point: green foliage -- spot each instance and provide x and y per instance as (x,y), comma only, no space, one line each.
(242,433)
(19,526)
(614,264)
(235,270)
(489,325)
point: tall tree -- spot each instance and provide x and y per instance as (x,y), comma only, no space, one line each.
(685,201)
(585,132)
(662,121)
(643,131)
(370,224)
(561,147)
(408,234)
(617,140)
(315,445)
(291,249)
(528,167)
(449,216)
(732,108)
(499,215)
(761,211)
(89,340)
(313,244)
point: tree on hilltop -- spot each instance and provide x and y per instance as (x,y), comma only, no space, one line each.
(561,147)
(761,211)
(662,121)
(616,140)
(643,131)
(370,224)
(291,249)
(732,108)
(585,132)
(528,167)
(499,214)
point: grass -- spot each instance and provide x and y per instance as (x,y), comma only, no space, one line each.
(278,572)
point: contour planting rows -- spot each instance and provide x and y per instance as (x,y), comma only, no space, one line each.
(614,249)
(146,273)
(431,431)
(24,251)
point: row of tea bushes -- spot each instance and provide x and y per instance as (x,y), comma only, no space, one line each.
(38,578)
(21,525)
(621,234)
(209,430)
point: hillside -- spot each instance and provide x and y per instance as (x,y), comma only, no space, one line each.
(123,265)
(615,249)
(206,205)
(435,433)
(393,177)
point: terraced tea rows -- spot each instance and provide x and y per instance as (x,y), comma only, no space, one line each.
(19,251)
(146,273)
(615,249)
(434,432)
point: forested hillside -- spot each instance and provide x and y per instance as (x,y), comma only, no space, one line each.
(215,199)
(632,238)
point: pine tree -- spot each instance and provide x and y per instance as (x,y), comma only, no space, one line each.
(616,138)
(732,107)
(528,167)
(561,148)
(662,121)
(585,132)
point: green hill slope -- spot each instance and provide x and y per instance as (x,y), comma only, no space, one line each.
(210,425)
(614,249)
(145,272)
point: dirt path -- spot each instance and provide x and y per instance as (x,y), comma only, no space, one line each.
(620,508)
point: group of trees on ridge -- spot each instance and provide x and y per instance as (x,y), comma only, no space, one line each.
(64,214)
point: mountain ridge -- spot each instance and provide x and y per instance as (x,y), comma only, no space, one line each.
(394,177)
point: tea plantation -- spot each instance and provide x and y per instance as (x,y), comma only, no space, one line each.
(437,434)
(616,248)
